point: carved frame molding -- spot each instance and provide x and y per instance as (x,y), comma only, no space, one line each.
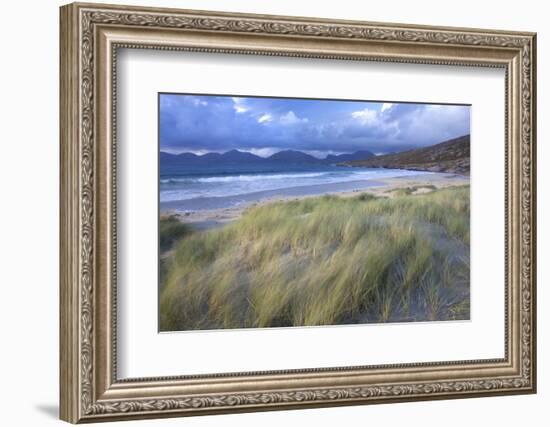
(90,36)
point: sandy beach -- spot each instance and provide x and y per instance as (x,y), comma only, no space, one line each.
(212,216)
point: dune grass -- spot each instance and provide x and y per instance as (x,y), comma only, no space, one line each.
(324,261)
(406,191)
(170,231)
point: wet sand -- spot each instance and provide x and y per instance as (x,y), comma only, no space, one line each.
(211,216)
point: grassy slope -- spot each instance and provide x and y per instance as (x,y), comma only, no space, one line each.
(171,230)
(451,156)
(325,260)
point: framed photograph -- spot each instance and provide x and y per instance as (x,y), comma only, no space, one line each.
(266,212)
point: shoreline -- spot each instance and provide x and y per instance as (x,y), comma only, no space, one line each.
(206,219)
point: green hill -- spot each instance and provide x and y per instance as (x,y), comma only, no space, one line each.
(452,156)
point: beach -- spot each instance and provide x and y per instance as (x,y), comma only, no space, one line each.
(393,250)
(213,212)
(301,212)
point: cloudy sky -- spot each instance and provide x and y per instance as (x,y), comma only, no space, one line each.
(264,126)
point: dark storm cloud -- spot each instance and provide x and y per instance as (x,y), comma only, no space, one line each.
(267,125)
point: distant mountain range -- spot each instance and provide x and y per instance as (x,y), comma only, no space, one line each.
(238,157)
(452,156)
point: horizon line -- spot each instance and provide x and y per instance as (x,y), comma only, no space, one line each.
(258,155)
(306,151)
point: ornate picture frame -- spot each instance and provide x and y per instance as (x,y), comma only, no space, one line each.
(90,37)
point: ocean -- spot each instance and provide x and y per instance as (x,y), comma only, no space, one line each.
(199,188)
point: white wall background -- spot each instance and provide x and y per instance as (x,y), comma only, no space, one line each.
(29,170)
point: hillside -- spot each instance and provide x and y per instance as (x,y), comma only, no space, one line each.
(292,156)
(452,156)
(358,155)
